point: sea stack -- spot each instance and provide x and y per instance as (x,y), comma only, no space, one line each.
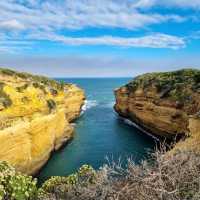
(35,116)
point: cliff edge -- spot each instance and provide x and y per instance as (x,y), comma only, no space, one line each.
(35,116)
(165,104)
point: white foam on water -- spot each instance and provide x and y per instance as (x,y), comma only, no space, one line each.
(88,104)
(130,123)
(73,124)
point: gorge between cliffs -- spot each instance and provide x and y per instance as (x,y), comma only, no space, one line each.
(52,127)
(37,118)
(40,115)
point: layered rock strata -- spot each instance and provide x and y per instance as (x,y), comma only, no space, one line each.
(35,116)
(165,104)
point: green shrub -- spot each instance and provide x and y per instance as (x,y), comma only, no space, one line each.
(170,85)
(63,186)
(4,98)
(40,86)
(22,88)
(162,177)
(53,92)
(40,80)
(8,72)
(22,187)
(62,84)
(51,104)
(16,186)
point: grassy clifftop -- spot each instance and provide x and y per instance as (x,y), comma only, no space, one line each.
(29,77)
(181,85)
(174,79)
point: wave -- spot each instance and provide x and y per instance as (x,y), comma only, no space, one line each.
(93,103)
(130,123)
(89,104)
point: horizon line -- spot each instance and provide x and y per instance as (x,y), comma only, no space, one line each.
(85,77)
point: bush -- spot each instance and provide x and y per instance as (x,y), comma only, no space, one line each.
(51,104)
(22,88)
(68,187)
(16,186)
(4,98)
(163,177)
(8,72)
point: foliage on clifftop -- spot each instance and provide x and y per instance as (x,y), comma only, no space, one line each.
(174,80)
(31,78)
(170,177)
(178,85)
(23,94)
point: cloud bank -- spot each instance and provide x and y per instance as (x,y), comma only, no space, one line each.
(25,20)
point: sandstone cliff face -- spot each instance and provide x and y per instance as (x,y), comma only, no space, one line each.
(165,104)
(35,116)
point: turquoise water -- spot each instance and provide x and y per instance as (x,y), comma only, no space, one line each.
(98,132)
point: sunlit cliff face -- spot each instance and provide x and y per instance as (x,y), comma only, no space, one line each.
(35,116)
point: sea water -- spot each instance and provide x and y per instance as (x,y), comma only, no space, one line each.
(99,133)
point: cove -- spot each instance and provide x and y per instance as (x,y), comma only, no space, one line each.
(99,132)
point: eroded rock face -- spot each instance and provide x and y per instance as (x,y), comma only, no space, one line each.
(35,116)
(164,104)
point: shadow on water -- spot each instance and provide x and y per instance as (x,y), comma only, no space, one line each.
(99,133)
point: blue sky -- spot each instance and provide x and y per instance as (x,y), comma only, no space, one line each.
(98,38)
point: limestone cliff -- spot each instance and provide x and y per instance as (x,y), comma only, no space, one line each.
(165,104)
(35,116)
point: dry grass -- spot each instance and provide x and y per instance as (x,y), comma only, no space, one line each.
(171,177)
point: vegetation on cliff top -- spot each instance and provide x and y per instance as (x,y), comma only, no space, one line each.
(23,94)
(177,85)
(170,177)
(174,80)
(36,79)
(5,100)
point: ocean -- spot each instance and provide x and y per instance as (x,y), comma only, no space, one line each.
(100,135)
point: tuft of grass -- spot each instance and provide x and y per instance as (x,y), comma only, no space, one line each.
(51,104)
(22,88)
(8,72)
(4,98)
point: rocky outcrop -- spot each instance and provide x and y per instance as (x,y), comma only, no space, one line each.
(165,104)
(35,116)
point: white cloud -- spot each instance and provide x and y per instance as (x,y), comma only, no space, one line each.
(32,19)
(150,41)
(71,14)
(156,40)
(11,25)
(194,4)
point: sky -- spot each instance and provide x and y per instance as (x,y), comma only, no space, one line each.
(99,38)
